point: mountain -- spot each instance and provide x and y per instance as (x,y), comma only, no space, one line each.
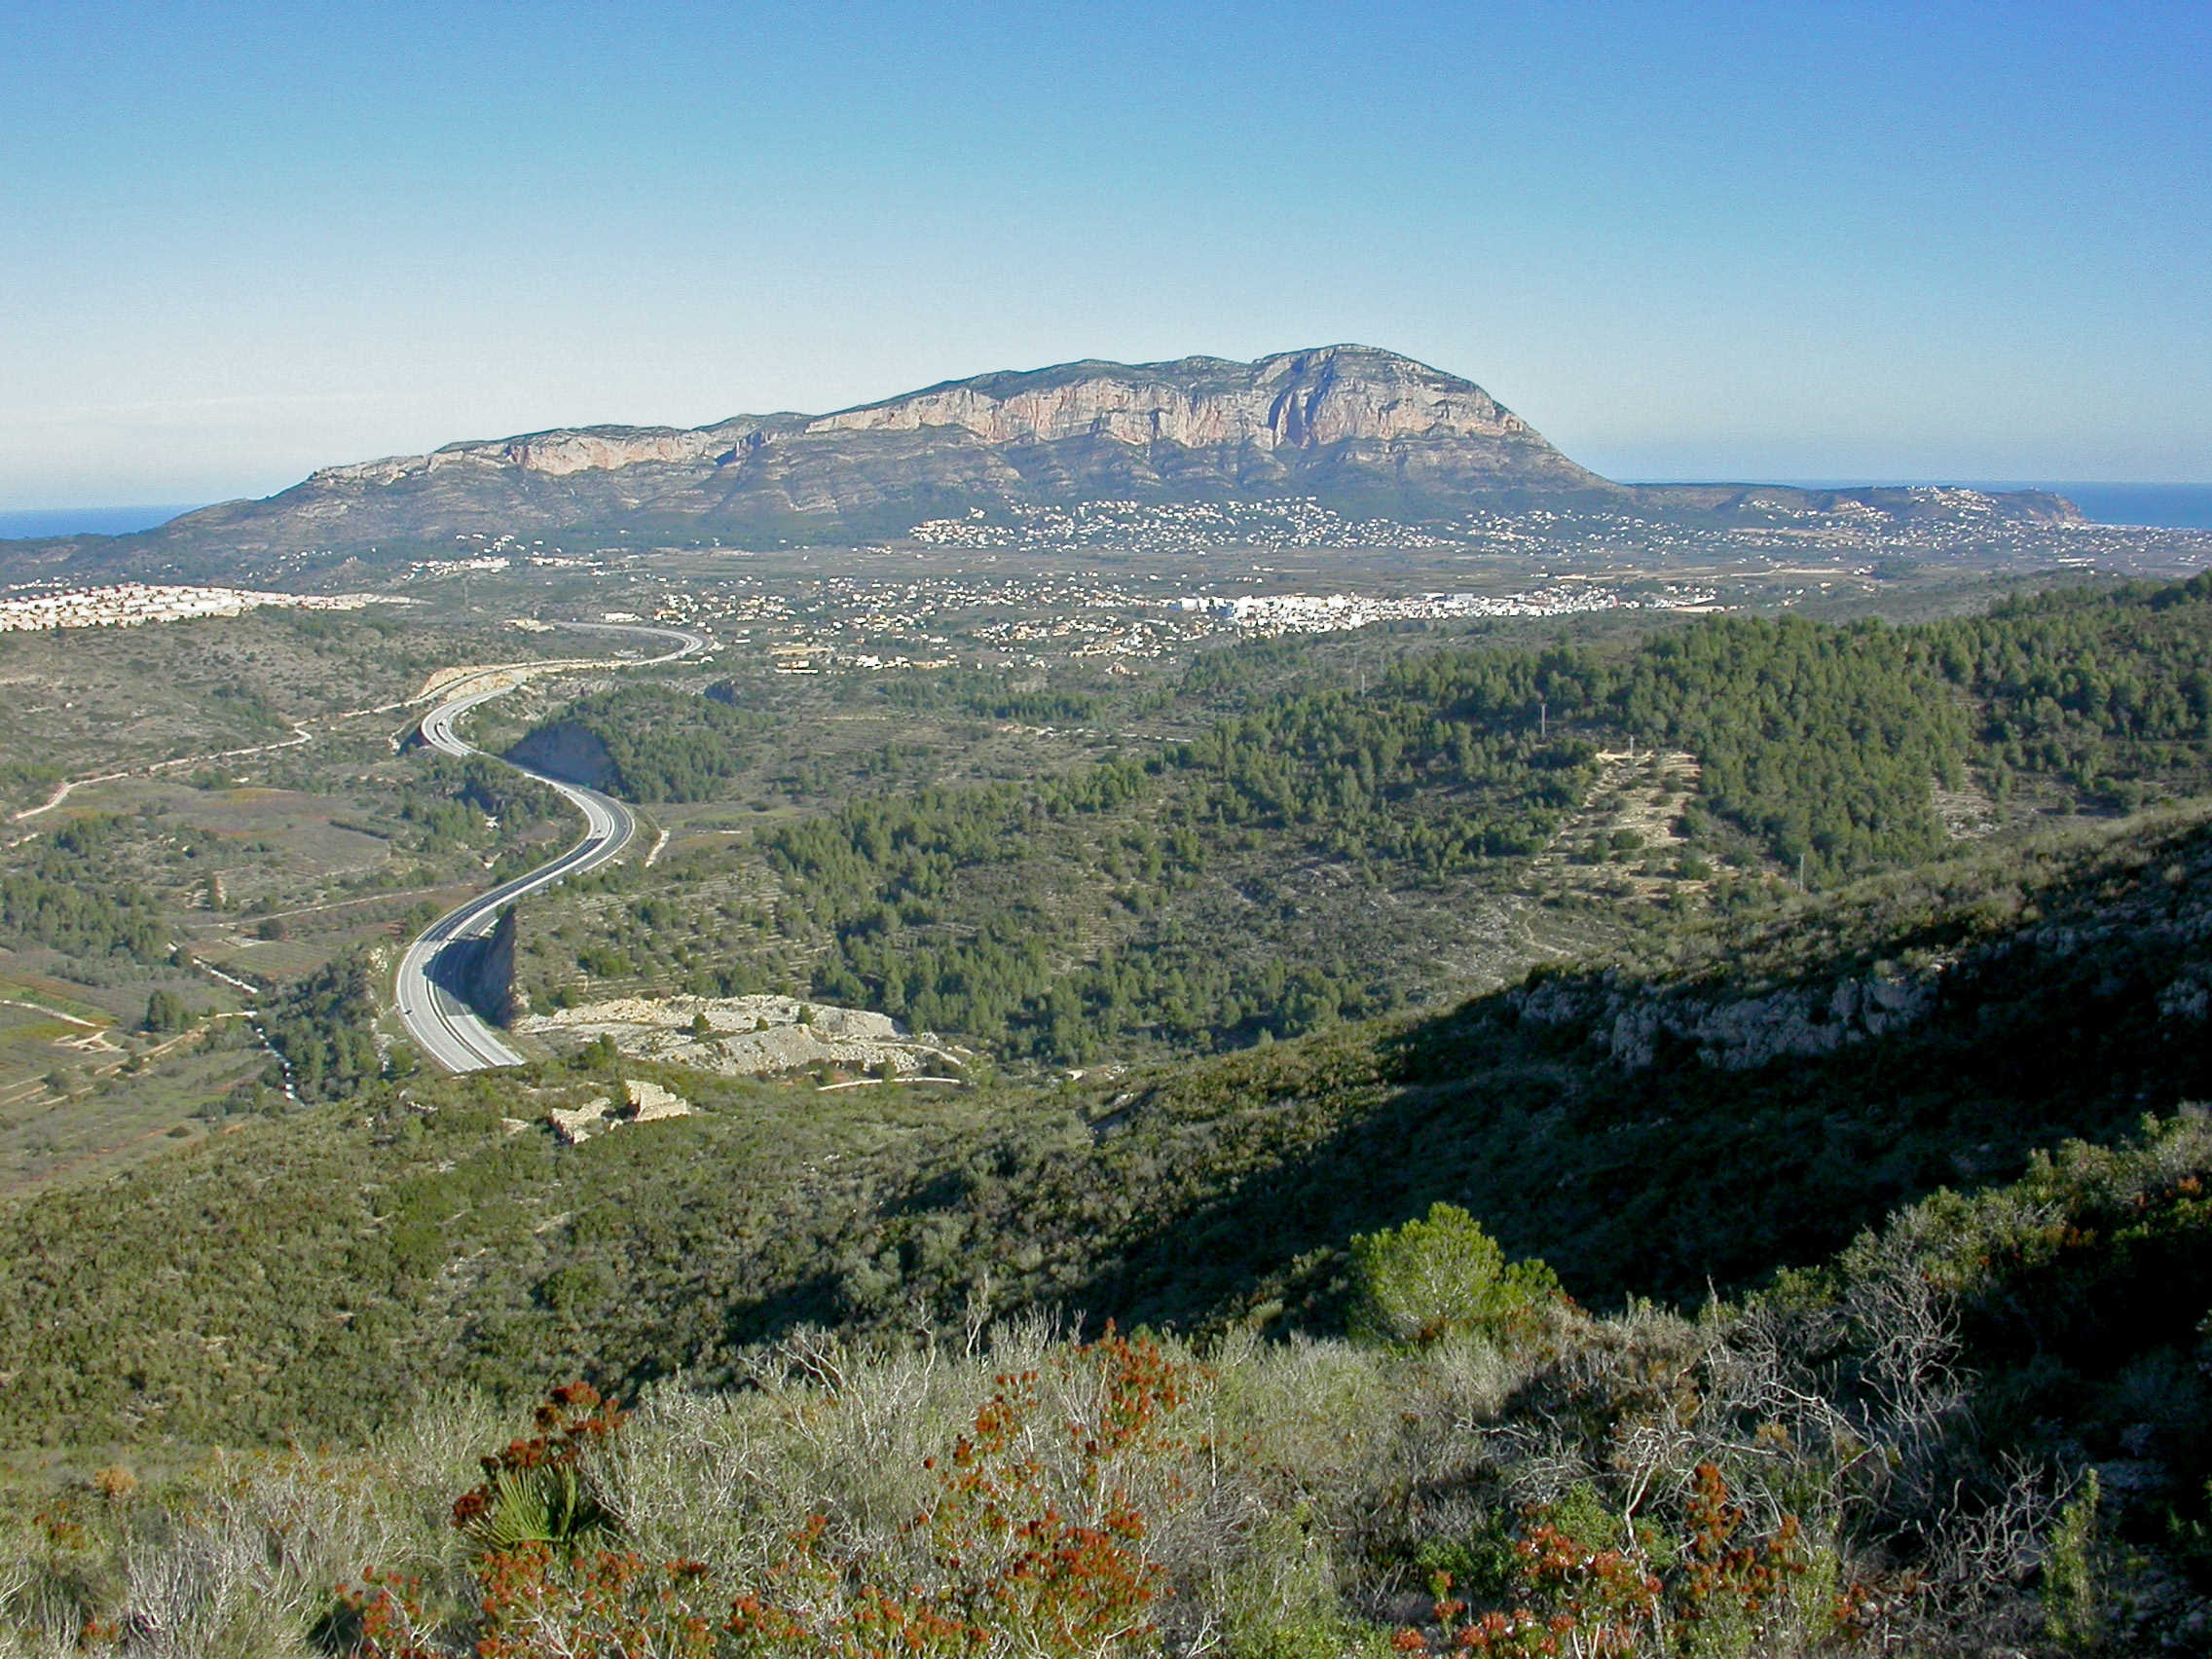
(1365,431)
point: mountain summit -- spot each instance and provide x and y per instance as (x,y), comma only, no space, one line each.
(1294,401)
(1365,431)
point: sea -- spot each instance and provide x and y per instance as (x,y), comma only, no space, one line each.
(25,523)
(2172,506)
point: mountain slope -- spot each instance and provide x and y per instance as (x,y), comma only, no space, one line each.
(1363,431)
(1779,1084)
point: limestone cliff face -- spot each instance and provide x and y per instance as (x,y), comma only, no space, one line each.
(555,454)
(1298,400)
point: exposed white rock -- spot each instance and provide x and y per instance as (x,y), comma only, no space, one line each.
(753,1036)
(643,1102)
(555,454)
(1738,1034)
(1295,399)
(580,1122)
(649,1102)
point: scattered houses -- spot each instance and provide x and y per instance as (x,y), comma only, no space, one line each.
(126,604)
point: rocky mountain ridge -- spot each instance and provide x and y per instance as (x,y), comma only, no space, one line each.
(1358,430)
(555,454)
(1295,400)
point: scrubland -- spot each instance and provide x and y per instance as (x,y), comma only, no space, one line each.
(1424,1179)
(1851,1460)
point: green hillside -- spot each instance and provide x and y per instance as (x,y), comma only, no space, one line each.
(1871,1218)
(1334,848)
(1649,1130)
(1982,1424)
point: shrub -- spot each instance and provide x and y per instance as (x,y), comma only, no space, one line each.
(1444,1277)
(535,1491)
(1718,1589)
(1020,1549)
(2072,1615)
(1281,1601)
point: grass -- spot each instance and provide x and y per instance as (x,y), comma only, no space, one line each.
(99,700)
(1804,1476)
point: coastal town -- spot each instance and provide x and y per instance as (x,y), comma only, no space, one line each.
(130,604)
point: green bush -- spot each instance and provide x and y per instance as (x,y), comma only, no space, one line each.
(2072,1614)
(1444,1277)
(166,1012)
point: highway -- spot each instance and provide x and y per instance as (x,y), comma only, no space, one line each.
(445,1027)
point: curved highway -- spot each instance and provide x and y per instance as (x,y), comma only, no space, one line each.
(442,1024)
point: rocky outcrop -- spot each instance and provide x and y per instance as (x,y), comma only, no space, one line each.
(644,1102)
(574,1124)
(649,1102)
(751,1035)
(1631,1023)
(2119,946)
(486,974)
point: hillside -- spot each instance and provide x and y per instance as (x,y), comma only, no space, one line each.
(1359,430)
(1315,854)
(1858,1235)
(1973,1431)
(1335,848)
(1764,1089)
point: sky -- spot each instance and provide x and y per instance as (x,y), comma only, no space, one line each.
(1685,241)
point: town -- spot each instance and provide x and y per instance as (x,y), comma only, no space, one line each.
(128,604)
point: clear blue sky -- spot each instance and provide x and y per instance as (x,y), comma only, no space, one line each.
(1686,241)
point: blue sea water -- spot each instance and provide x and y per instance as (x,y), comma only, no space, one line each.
(2178,506)
(84,521)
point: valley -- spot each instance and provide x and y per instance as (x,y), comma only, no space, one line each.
(439,1020)
(1608,980)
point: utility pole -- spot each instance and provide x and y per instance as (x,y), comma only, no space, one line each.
(1800,871)
(1543,720)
